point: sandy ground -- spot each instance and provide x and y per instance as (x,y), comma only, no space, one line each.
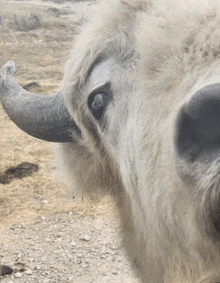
(37,36)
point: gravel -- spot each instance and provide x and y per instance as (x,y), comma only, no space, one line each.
(63,248)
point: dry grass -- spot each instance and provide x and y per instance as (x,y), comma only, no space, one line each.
(39,56)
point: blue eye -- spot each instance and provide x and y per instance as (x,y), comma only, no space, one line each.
(97,106)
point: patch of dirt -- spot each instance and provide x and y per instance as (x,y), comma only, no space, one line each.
(20,171)
(40,222)
(65,248)
(5,270)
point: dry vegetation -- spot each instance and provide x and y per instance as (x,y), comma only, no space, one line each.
(37,39)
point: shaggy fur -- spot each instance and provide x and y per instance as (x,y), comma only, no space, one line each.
(161,48)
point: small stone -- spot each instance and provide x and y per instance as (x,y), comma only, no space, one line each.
(78,261)
(43,217)
(28,272)
(18,256)
(85,238)
(73,243)
(18,275)
(45,201)
(70,213)
(115,272)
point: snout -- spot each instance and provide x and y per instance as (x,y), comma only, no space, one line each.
(198,124)
(197,152)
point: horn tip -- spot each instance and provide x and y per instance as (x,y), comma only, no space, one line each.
(8,69)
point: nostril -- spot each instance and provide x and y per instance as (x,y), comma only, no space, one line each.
(198,123)
(205,119)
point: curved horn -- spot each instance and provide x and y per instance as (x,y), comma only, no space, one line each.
(42,116)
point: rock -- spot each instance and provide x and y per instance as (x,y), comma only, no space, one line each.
(18,275)
(4,270)
(31,86)
(28,272)
(85,238)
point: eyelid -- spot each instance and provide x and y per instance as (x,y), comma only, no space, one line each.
(101,88)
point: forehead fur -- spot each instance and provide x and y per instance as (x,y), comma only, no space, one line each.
(110,30)
(175,39)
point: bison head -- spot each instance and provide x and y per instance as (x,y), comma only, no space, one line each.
(138,117)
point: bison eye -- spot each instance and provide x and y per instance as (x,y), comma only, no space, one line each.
(97,105)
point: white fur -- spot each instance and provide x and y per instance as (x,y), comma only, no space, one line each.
(171,48)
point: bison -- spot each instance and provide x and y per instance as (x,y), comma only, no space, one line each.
(138,118)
